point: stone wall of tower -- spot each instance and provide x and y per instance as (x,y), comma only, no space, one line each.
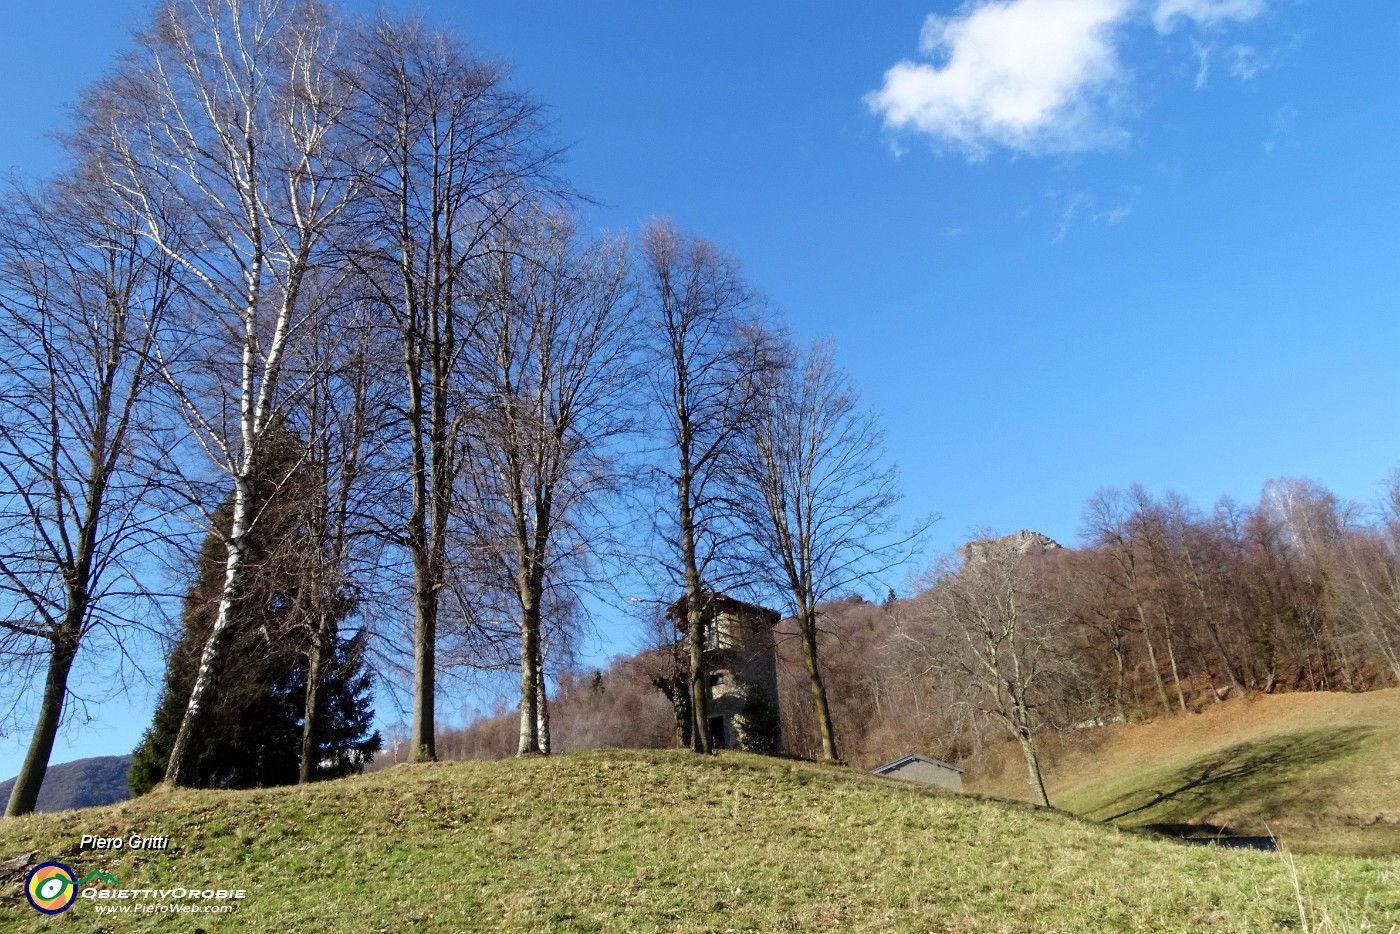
(739,651)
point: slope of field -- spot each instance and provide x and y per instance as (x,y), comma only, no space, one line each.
(82,783)
(1319,770)
(668,841)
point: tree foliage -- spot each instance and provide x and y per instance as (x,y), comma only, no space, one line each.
(759,728)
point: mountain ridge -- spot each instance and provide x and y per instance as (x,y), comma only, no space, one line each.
(82,783)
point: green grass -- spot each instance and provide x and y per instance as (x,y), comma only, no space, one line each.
(668,841)
(1320,771)
(1288,785)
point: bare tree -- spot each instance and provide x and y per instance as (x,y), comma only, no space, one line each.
(1108,526)
(1197,558)
(455,155)
(81,453)
(343,416)
(1165,588)
(221,131)
(989,622)
(703,366)
(554,366)
(821,498)
(1370,579)
(1315,524)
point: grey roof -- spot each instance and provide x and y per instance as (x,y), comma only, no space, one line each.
(900,763)
(720,601)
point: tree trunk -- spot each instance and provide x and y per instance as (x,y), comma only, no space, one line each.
(1033,775)
(677,691)
(179,769)
(25,793)
(700,740)
(807,624)
(1156,675)
(311,716)
(529,691)
(434,560)
(1269,650)
(1171,660)
(422,740)
(1121,675)
(541,703)
(422,746)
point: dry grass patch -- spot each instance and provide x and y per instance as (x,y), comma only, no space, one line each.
(1322,769)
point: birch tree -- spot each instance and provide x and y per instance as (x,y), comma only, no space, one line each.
(82,458)
(221,132)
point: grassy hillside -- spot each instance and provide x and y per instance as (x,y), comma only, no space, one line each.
(1321,770)
(667,841)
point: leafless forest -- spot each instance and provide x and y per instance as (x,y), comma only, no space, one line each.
(310,369)
(1164,608)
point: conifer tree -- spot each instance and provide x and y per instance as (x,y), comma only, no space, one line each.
(254,733)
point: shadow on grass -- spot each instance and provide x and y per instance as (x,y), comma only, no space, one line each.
(1272,771)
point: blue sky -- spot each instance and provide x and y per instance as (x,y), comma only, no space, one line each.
(1060,244)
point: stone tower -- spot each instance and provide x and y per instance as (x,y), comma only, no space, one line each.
(738,655)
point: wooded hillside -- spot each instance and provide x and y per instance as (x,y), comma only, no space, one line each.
(1165,609)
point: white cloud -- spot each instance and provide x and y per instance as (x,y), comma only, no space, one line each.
(1202,64)
(1280,126)
(1204,12)
(1113,216)
(1030,75)
(1077,202)
(1084,205)
(1244,62)
(1041,76)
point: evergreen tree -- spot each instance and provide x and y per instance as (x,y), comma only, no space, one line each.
(760,730)
(254,734)
(347,702)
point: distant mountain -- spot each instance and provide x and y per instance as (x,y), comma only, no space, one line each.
(85,783)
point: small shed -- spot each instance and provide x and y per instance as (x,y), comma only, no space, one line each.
(923,770)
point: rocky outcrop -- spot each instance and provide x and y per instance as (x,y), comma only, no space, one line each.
(1024,542)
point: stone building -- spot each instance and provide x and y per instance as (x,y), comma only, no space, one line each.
(739,656)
